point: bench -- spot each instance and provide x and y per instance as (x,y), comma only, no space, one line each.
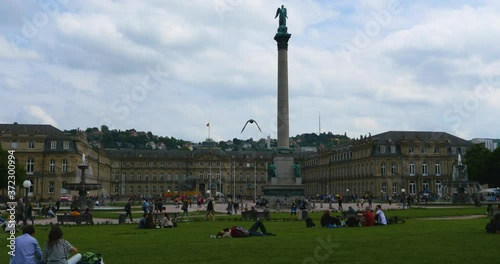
(75,219)
(347,215)
(253,215)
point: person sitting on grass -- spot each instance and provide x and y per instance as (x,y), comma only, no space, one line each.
(238,231)
(27,248)
(381,220)
(150,221)
(328,220)
(166,221)
(494,225)
(142,222)
(369,217)
(57,249)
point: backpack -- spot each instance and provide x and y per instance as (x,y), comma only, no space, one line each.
(238,231)
(309,222)
(91,258)
(352,222)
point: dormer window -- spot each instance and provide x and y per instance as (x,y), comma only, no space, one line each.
(53,144)
(381,149)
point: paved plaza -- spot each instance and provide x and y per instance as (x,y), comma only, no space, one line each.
(219,207)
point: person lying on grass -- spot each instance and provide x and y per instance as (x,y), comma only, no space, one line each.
(238,231)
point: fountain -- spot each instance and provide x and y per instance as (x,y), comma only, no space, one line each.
(82,187)
(460,189)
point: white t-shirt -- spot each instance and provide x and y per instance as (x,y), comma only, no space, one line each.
(381,217)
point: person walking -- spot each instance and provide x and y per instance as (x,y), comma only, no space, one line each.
(210,210)
(184,208)
(57,249)
(128,210)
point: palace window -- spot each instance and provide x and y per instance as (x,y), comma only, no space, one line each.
(381,149)
(394,187)
(31,145)
(412,168)
(425,185)
(53,144)
(52,166)
(394,169)
(51,187)
(425,170)
(65,145)
(453,150)
(382,169)
(436,150)
(437,168)
(65,166)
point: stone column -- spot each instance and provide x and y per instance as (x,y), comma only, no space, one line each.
(283,122)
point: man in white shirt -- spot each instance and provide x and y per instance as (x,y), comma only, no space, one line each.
(380,216)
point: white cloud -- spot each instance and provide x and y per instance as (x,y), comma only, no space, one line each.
(40,115)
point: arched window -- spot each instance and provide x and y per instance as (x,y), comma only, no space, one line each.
(413,187)
(437,168)
(439,189)
(425,185)
(425,170)
(412,168)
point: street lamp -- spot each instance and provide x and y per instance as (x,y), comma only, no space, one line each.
(403,199)
(26,185)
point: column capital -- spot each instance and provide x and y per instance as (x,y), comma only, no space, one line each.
(282,40)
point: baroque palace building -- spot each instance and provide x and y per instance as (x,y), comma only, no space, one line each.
(382,164)
(385,164)
(51,157)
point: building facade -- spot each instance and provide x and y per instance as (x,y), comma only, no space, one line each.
(385,164)
(51,157)
(178,172)
(382,164)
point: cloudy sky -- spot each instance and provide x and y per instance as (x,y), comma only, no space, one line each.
(172,66)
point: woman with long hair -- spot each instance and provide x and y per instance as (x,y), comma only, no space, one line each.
(57,249)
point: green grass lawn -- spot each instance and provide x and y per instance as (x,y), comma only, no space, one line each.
(416,241)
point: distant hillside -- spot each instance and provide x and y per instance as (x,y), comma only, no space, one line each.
(133,139)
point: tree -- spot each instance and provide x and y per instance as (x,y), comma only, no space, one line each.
(478,160)
(494,178)
(20,172)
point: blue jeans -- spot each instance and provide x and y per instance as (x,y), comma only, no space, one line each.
(258,225)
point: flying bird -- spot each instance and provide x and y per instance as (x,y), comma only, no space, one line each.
(251,121)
